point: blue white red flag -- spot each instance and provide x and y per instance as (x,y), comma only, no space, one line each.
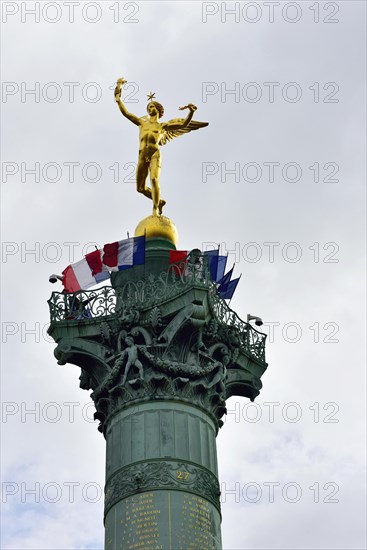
(124,254)
(95,266)
(79,276)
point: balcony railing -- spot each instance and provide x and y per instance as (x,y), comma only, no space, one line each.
(250,338)
(146,293)
(84,304)
(141,294)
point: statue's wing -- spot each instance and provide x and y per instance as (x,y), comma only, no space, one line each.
(174,129)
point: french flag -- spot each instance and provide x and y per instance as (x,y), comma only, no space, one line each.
(124,254)
(95,266)
(83,274)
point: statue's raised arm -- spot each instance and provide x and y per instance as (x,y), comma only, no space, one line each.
(118,90)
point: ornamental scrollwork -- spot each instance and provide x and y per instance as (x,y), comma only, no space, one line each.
(158,475)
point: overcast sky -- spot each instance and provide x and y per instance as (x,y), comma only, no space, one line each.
(282,87)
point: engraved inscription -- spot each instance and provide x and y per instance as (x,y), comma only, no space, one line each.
(196,525)
(163,520)
(140,523)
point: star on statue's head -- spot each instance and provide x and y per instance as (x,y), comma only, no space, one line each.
(151,96)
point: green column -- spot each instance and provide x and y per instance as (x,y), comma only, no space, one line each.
(162,489)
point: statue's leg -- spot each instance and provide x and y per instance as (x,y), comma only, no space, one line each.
(155,170)
(140,367)
(141,178)
(127,368)
(215,380)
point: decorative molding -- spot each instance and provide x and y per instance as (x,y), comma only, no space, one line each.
(162,475)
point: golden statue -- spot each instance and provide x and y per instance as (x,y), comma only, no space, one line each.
(152,135)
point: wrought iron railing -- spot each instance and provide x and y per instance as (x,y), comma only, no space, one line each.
(250,338)
(153,290)
(84,304)
(141,294)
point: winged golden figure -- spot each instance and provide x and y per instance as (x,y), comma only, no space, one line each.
(153,134)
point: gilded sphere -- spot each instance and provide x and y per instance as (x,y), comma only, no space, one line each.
(157,227)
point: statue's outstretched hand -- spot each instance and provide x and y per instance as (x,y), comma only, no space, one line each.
(119,84)
(190,106)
